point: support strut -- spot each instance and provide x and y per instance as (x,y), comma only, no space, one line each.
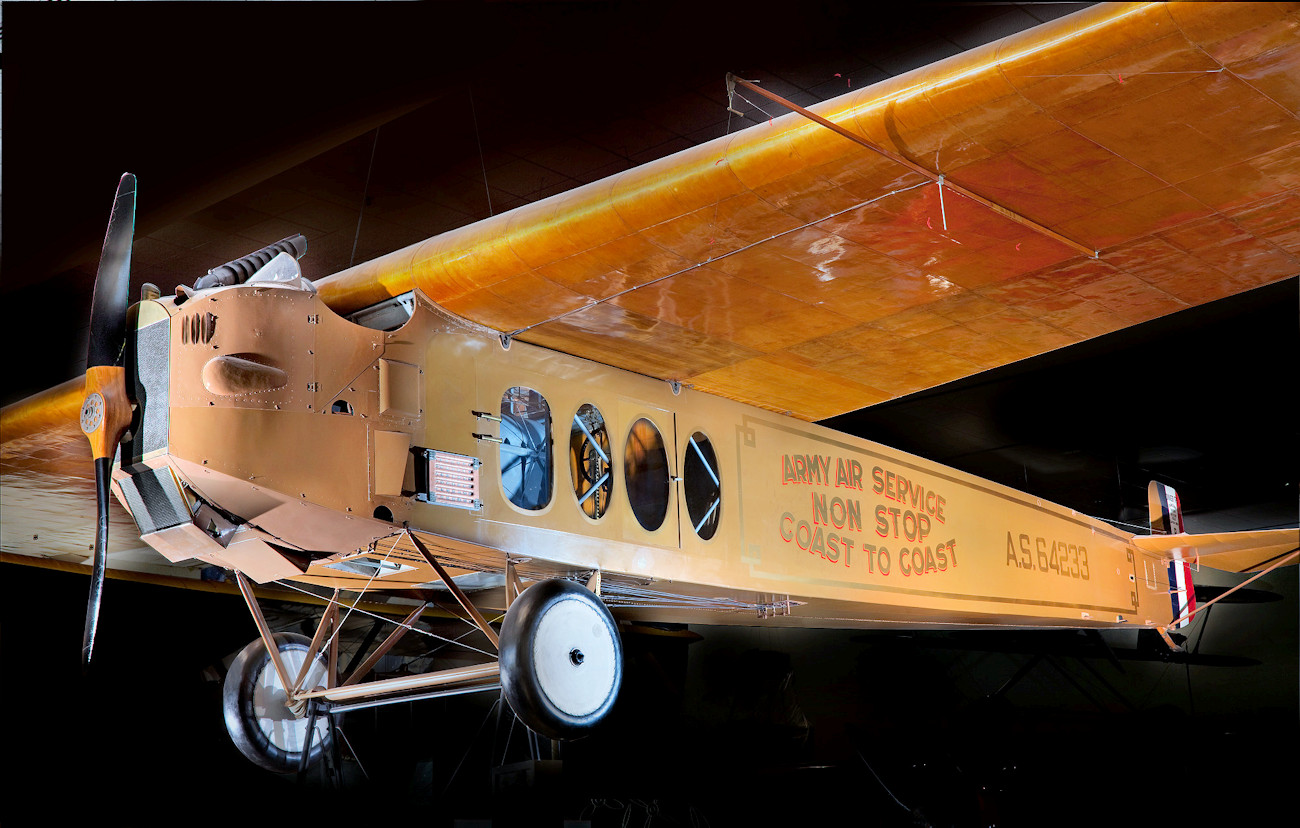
(264,631)
(461,598)
(382,649)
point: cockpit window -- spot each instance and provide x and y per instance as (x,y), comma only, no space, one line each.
(645,474)
(526,448)
(589,463)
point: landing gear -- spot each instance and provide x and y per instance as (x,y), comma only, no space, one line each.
(256,706)
(561,659)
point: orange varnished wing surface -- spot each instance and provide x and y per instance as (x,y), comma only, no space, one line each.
(774,266)
(49,487)
(789,267)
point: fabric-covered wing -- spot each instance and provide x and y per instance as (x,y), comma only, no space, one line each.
(49,488)
(788,267)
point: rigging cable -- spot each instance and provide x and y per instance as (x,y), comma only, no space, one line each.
(881,781)
(473,111)
(365,194)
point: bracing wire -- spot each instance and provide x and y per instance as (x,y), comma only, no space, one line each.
(881,781)
(409,627)
(473,111)
(365,193)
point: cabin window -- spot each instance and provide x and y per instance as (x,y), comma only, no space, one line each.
(589,463)
(526,448)
(645,474)
(702,485)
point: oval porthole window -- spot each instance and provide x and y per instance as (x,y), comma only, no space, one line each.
(645,474)
(702,485)
(526,448)
(589,463)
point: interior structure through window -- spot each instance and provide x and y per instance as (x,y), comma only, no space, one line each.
(702,485)
(525,451)
(589,462)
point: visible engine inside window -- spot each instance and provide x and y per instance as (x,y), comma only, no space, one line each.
(526,448)
(589,463)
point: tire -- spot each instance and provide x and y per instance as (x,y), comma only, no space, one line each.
(256,713)
(561,659)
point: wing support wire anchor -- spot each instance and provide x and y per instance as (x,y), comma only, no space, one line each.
(939,179)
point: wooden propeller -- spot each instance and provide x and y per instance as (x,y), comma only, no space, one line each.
(106,410)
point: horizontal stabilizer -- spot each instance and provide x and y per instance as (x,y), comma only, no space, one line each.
(1229,551)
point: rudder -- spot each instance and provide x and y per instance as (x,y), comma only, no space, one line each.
(1167,519)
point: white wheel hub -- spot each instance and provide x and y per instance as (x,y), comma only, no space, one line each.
(271,703)
(574,654)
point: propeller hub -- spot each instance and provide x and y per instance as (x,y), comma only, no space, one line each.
(92,413)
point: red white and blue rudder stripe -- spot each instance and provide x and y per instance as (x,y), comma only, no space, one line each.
(1167,519)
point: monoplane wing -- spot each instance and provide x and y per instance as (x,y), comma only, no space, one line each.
(1133,160)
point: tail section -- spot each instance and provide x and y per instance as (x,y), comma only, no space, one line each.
(1167,519)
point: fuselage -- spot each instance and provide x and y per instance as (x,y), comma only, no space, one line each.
(304,446)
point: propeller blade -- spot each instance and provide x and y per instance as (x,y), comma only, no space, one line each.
(106,411)
(113,280)
(103,467)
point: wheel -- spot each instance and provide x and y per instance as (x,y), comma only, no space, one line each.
(256,706)
(561,659)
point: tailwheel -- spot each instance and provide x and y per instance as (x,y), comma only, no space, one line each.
(561,659)
(256,706)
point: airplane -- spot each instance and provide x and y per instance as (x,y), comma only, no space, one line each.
(785,522)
